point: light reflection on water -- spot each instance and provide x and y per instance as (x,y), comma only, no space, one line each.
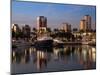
(28,60)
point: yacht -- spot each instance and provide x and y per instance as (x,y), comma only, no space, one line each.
(44,42)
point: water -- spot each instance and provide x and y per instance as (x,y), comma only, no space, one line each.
(67,58)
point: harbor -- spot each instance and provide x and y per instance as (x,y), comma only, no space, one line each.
(52,38)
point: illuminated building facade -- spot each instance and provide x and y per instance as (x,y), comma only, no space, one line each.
(85,23)
(87,18)
(66,27)
(41,24)
(15,28)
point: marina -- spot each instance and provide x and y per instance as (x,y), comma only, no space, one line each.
(51,37)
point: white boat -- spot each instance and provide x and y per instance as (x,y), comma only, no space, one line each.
(44,41)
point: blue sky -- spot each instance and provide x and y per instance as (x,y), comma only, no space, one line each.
(27,12)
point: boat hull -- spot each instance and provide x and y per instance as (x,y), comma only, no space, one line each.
(44,43)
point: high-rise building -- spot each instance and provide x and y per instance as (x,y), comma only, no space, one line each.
(15,28)
(66,27)
(26,30)
(87,18)
(41,24)
(69,27)
(85,23)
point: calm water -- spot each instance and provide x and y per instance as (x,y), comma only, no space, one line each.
(30,60)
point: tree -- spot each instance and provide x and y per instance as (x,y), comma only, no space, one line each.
(81,31)
(62,35)
(48,29)
(73,38)
(55,30)
(34,30)
(75,29)
(79,37)
(13,34)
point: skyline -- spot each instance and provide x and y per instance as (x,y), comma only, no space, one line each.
(27,13)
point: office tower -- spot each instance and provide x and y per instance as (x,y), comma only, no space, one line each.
(66,27)
(41,24)
(87,18)
(83,25)
(15,28)
(26,31)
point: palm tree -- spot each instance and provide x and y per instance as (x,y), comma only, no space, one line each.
(48,29)
(34,30)
(75,29)
(56,30)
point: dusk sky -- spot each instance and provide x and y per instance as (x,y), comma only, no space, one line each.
(27,13)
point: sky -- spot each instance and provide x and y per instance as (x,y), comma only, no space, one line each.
(24,12)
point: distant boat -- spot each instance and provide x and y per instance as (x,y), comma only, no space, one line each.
(44,42)
(58,43)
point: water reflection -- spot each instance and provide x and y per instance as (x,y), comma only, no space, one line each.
(83,56)
(41,59)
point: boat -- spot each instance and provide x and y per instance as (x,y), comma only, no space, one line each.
(44,42)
